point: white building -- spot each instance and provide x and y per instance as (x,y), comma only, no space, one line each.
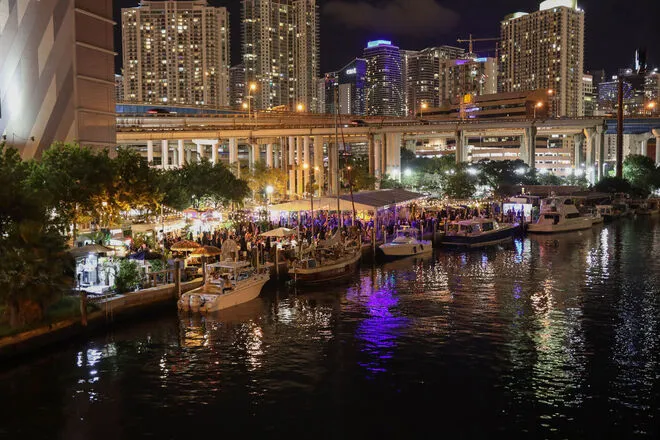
(176,52)
(545,50)
(281,52)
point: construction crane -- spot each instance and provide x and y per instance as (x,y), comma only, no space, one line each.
(471,40)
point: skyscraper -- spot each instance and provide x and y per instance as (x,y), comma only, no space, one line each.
(545,50)
(385,92)
(423,75)
(176,52)
(474,75)
(281,52)
(56,74)
(237,86)
(352,81)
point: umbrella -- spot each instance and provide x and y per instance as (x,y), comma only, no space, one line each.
(185,245)
(206,251)
(89,249)
(279,233)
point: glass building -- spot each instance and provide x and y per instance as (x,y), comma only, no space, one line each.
(385,94)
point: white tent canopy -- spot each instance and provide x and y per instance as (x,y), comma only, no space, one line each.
(320,204)
(364,201)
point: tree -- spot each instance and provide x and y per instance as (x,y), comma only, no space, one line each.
(613,185)
(641,172)
(134,184)
(75,182)
(263,176)
(360,176)
(503,175)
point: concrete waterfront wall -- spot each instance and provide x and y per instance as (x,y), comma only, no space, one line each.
(114,309)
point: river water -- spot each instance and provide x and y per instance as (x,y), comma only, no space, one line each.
(548,337)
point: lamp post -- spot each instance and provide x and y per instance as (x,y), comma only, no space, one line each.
(300,108)
(251,88)
(537,105)
(269,192)
(651,107)
(422,107)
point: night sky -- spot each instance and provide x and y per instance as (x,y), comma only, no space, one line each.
(346,26)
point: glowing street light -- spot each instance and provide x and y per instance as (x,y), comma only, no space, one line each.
(407,172)
(472,171)
(520,171)
(423,107)
(538,105)
(300,107)
(251,88)
(270,190)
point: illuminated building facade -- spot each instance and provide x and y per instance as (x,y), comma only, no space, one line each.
(473,76)
(352,87)
(176,52)
(237,86)
(423,75)
(281,52)
(57,74)
(545,50)
(385,90)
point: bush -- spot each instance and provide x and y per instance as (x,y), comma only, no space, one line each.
(128,277)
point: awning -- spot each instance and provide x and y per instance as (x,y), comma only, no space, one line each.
(364,201)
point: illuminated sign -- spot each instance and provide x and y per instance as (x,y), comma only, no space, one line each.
(352,71)
(481,60)
(377,43)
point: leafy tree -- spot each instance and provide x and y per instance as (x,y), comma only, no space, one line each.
(75,182)
(458,183)
(641,172)
(549,180)
(360,176)
(263,176)
(128,277)
(613,185)
(134,184)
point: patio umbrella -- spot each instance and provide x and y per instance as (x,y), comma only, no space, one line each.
(280,233)
(185,245)
(89,249)
(206,251)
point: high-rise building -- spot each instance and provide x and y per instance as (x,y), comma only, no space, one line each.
(237,86)
(545,50)
(385,92)
(352,87)
(467,76)
(119,88)
(423,74)
(56,74)
(176,52)
(281,52)
(588,94)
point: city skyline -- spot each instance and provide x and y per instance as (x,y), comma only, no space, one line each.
(343,36)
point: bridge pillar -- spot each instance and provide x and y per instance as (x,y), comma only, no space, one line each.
(644,143)
(215,145)
(528,146)
(255,152)
(291,165)
(234,163)
(393,155)
(181,153)
(370,148)
(333,167)
(200,151)
(600,152)
(299,165)
(319,174)
(269,155)
(378,161)
(656,133)
(164,153)
(461,154)
(578,139)
(150,152)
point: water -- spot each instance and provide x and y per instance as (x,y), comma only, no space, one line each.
(549,337)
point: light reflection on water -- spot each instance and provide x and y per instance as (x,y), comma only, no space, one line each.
(546,338)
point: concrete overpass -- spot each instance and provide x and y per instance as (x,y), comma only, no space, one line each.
(289,141)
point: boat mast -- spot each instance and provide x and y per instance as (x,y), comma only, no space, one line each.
(336,158)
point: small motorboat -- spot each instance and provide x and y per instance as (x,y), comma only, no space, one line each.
(227,284)
(478,232)
(559,214)
(406,244)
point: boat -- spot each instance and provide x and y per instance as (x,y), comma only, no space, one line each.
(227,284)
(331,261)
(608,213)
(621,204)
(406,244)
(559,214)
(478,232)
(593,214)
(649,207)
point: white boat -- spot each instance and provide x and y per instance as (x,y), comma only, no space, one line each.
(227,284)
(559,214)
(478,232)
(332,262)
(406,244)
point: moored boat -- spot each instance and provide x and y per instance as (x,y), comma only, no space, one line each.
(406,244)
(478,232)
(332,261)
(649,207)
(227,284)
(559,214)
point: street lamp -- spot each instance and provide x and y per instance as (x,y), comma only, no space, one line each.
(270,190)
(252,87)
(300,107)
(651,106)
(538,105)
(423,107)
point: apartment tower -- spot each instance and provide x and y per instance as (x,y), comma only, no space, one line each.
(545,50)
(176,53)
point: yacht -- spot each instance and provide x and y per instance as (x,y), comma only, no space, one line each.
(227,284)
(333,260)
(406,244)
(559,214)
(648,207)
(478,232)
